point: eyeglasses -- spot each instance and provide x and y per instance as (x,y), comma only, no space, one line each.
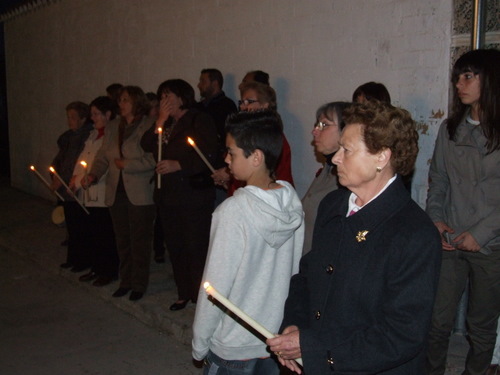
(320,125)
(247,101)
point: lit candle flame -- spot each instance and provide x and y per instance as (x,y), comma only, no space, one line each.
(240,314)
(52,169)
(159,129)
(191,142)
(83,163)
(32,167)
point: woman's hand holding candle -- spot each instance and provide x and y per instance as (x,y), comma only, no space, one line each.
(287,343)
(167,166)
(159,131)
(69,190)
(88,180)
(287,348)
(198,151)
(50,186)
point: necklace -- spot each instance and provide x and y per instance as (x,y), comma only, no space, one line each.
(167,133)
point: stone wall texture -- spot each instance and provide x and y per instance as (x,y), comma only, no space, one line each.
(315,51)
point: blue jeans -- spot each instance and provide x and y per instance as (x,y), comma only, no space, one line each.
(214,365)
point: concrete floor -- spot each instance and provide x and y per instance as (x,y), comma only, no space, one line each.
(49,326)
(52,324)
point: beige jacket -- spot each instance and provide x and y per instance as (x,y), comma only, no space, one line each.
(139,165)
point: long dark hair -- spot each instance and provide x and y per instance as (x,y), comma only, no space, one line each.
(486,64)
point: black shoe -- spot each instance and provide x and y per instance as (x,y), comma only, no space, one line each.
(178,305)
(77,269)
(66,265)
(160,258)
(135,296)
(88,277)
(103,280)
(120,292)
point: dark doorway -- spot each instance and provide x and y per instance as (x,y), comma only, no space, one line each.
(5,7)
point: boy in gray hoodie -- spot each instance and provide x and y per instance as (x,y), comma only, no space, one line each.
(255,246)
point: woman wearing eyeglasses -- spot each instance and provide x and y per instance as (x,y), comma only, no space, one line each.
(326,134)
(256,96)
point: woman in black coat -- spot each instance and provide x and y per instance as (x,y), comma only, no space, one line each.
(363,299)
(186,195)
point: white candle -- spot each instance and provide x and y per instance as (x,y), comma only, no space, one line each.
(240,314)
(191,142)
(68,189)
(84,165)
(46,182)
(160,141)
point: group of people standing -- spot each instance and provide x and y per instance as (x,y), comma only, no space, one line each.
(379,279)
(120,147)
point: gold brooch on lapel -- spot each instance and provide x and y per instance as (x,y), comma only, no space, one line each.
(361,235)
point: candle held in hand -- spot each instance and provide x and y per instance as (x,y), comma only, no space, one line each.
(240,314)
(69,190)
(160,141)
(84,165)
(192,143)
(46,182)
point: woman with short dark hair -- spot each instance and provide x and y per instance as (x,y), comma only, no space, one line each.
(100,250)
(371,91)
(186,196)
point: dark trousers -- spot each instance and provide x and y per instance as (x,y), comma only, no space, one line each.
(482,314)
(187,232)
(103,254)
(158,237)
(133,227)
(78,240)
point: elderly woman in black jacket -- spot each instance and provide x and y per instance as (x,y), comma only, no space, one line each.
(362,301)
(70,144)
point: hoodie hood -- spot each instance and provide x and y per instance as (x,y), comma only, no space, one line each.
(266,209)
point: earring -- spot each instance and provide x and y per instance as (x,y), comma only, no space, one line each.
(379,169)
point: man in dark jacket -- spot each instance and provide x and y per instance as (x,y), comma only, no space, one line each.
(215,102)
